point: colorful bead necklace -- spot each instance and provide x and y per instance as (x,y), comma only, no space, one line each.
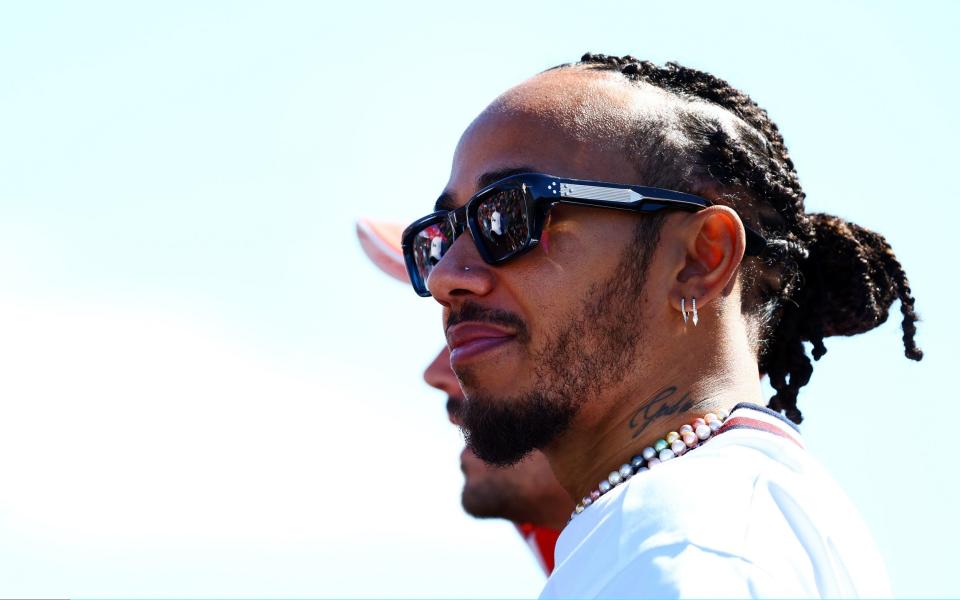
(672,445)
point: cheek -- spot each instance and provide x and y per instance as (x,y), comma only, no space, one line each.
(551,282)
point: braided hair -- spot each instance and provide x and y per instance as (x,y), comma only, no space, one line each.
(819,275)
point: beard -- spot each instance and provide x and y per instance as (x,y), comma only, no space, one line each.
(594,349)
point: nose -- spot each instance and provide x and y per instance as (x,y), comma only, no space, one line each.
(461,274)
(439,375)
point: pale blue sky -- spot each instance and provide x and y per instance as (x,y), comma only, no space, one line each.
(207,390)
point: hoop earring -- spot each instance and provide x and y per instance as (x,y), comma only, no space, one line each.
(683,309)
(696,317)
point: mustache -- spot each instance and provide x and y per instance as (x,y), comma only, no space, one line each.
(454,406)
(471,311)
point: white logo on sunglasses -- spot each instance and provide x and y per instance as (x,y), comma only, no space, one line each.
(596,192)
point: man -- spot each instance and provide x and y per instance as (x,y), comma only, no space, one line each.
(664,260)
(527,493)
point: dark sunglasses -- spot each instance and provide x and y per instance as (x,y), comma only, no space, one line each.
(506,218)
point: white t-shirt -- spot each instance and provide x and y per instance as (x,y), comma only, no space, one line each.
(748,514)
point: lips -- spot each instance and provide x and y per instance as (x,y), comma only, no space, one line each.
(468,341)
(470,464)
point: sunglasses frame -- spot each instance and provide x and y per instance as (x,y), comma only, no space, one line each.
(541,193)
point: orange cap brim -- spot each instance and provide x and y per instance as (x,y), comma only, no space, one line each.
(381,243)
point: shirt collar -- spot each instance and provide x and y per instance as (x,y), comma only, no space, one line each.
(747,415)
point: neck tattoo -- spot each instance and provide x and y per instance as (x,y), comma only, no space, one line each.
(670,446)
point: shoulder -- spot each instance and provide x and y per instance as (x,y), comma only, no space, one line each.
(754,509)
(714,496)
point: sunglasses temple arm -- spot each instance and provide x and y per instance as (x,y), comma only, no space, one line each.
(756,243)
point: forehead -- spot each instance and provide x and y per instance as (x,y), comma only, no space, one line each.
(568,122)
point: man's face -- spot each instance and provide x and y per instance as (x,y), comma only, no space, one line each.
(532,339)
(525,492)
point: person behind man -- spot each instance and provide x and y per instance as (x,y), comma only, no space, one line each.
(526,493)
(664,261)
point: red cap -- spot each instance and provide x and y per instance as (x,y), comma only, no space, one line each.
(381,242)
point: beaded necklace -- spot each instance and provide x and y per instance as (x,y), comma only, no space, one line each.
(672,445)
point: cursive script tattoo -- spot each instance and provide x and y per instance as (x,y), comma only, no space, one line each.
(657,407)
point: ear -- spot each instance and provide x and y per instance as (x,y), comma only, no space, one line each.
(714,250)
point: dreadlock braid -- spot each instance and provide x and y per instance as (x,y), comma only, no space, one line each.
(832,277)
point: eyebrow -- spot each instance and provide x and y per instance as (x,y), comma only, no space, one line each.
(446,201)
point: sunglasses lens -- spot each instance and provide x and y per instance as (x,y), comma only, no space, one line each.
(429,246)
(504,224)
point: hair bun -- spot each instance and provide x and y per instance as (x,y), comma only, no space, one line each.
(851,279)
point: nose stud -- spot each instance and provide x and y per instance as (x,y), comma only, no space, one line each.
(466,268)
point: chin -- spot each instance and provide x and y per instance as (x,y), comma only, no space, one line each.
(485,500)
(495,389)
(503,430)
(496,378)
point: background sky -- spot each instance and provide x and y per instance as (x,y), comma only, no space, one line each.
(207,390)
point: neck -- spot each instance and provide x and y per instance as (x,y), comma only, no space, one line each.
(611,430)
